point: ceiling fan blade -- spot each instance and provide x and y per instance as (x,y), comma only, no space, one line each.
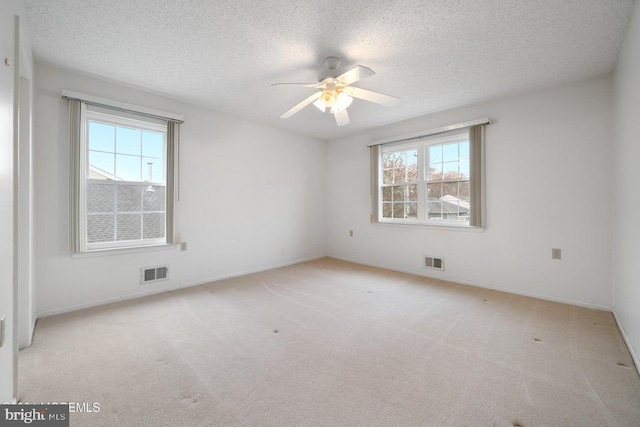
(371,96)
(298,84)
(301,105)
(356,73)
(342,118)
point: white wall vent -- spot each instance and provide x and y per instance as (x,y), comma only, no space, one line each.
(434,263)
(154,274)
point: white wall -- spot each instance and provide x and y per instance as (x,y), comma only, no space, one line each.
(548,163)
(252,197)
(626,259)
(12,131)
(7,309)
(26,291)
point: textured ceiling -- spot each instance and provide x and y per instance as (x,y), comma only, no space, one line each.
(434,54)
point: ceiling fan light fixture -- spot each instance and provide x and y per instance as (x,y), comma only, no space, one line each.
(341,103)
(336,93)
(320,105)
(328,99)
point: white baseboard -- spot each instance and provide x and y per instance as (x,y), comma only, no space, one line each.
(77,307)
(627,341)
(482,285)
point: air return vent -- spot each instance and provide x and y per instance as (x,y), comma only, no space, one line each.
(154,274)
(434,263)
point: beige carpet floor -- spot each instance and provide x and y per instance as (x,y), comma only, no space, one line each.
(330,343)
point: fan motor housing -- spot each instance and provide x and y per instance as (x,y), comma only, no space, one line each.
(332,63)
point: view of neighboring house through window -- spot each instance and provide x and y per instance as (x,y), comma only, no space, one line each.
(426,181)
(125,181)
(448,181)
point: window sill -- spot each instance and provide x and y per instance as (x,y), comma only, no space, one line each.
(123,251)
(430,226)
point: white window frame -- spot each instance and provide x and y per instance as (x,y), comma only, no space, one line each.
(116,120)
(421,145)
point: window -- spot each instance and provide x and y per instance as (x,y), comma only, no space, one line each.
(400,184)
(122,170)
(125,181)
(427,180)
(448,180)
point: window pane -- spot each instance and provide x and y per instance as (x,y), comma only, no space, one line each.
(450,190)
(435,172)
(100,165)
(412,210)
(153,198)
(434,208)
(398,210)
(387,161)
(386,210)
(464,150)
(412,173)
(129,198)
(129,227)
(450,152)
(152,144)
(398,193)
(100,196)
(434,191)
(386,194)
(412,157)
(450,201)
(450,170)
(127,167)
(449,207)
(101,137)
(152,170)
(412,192)
(435,154)
(464,169)
(387,176)
(153,225)
(100,228)
(464,191)
(395,159)
(128,141)
(399,175)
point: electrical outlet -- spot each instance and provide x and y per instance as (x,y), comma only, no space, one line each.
(183,246)
(556,253)
(350,233)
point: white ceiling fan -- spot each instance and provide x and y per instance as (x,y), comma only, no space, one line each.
(336,92)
